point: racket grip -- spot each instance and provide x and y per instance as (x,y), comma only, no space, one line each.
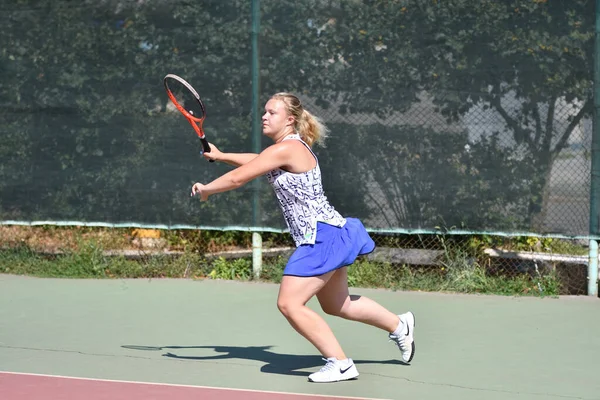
(205,147)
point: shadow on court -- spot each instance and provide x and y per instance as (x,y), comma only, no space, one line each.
(275,363)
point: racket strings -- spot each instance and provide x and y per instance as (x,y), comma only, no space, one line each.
(185,98)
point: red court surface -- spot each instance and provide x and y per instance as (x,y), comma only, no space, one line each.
(16,386)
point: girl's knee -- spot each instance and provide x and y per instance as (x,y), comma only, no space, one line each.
(282,306)
(286,307)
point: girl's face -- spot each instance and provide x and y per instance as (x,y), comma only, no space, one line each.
(276,122)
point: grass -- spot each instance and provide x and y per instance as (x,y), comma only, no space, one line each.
(82,255)
(457,274)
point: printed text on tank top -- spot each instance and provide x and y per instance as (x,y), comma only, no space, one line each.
(302,200)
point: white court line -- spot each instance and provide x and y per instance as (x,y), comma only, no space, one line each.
(186,386)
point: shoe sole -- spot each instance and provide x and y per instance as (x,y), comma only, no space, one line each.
(348,377)
(412,353)
(339,380)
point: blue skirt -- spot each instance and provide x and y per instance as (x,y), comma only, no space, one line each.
(334,247)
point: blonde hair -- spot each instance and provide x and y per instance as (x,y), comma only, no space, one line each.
(310,128)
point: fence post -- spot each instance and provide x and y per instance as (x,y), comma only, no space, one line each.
(256,137)
(593,269)
(256,254)
(595,169)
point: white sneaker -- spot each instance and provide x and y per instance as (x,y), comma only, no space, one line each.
(406,341)
(334,371)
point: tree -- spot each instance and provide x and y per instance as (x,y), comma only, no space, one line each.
(466,54)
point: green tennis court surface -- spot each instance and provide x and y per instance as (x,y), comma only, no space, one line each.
(231,335)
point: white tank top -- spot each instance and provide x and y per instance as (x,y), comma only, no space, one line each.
(302,200)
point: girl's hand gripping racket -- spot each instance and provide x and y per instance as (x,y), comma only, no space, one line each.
(188,102)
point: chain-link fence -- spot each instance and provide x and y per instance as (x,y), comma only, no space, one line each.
(459,263)
(454,125)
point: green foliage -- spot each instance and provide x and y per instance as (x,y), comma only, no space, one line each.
(207,240)
(272,269)
(440,182)
(527,244)
(458,273)
(89,261)
(368,274)
(238,269)
(86,262)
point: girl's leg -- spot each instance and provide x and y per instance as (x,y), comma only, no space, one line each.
(336,300)
(294,293)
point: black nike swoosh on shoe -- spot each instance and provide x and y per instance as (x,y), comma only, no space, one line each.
(407,330)
(343,371)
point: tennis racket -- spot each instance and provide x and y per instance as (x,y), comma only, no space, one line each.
(187,100)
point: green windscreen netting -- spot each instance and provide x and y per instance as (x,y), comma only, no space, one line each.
(460,114)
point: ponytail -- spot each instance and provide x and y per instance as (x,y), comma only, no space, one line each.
(311,129)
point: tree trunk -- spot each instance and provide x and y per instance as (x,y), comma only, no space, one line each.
(539,202)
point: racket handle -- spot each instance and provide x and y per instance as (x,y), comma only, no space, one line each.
(205,147)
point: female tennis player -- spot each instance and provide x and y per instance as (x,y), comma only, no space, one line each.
(326,242)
